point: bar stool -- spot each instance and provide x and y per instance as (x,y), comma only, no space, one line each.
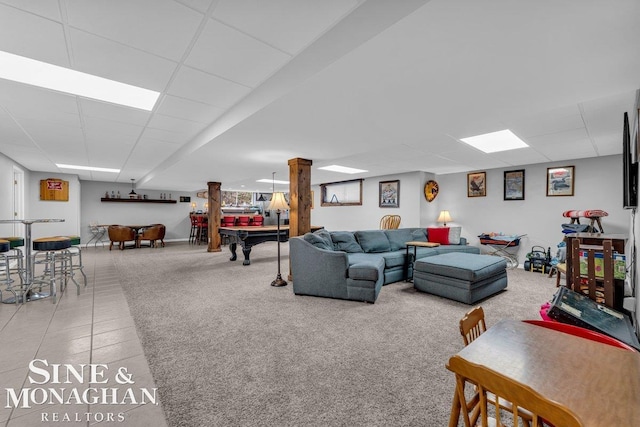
(15,255)
(52,254)
(5,267)
(201,229)
(74,252)
(194,228)
(11,262)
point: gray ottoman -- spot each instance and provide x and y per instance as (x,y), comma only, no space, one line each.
(460,276)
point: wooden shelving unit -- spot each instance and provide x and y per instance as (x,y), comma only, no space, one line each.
(605,288)
(104,199)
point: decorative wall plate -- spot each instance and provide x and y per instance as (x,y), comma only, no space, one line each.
(431,190)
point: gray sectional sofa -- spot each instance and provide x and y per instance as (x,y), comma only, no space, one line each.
(354,265)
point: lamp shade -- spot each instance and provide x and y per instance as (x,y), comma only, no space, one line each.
(278,202)
(444,217)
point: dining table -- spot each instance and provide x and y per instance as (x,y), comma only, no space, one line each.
(599,383)
(28,262)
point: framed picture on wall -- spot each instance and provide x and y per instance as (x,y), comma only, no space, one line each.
(514,185)
(389,195)
(477,184)
(560,181)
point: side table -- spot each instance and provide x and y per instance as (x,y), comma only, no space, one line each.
(409,259)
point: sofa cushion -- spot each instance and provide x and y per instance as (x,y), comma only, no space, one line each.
(398,238)
(418,235)
(438,235)
(454,235)
(395,258)
(370,270)
(373,241)
(320,239)
(345,241)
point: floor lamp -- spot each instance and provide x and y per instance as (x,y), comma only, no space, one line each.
(279,204)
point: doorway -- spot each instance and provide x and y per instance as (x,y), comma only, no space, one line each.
(18,199)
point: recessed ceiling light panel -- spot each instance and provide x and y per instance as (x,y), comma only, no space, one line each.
(36,73)
(342,169)
(87,168)
(493,142)
(272,181)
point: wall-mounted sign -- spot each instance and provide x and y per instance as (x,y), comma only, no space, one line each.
(54,189)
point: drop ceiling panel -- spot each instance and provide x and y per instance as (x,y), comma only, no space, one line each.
(11,132)
(187,128)
(564,152)
(58,117)
(47,9)
(69,157)
(112,154)
(105,58)
(188,109)
(34,102)
(173,137)
(572,137)
(230,54)
(547,122)
(149,152)
(114,113)
(521,156)
(200,86)
(289,25)
(609,144)
(29,35)
(162,27)
(199,5)
(102,128)
(53,136)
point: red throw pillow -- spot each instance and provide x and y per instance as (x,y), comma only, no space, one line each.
(438,235)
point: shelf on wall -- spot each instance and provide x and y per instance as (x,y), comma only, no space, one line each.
(103,199)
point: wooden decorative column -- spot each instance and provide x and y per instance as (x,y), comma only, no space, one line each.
(215,202)
(299,198)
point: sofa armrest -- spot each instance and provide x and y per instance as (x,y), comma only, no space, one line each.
(317,271)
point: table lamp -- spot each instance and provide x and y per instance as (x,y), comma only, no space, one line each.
(444,217)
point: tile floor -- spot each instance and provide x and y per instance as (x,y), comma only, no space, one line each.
(94,327)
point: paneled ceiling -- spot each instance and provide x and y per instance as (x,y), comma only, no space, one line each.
(386,86)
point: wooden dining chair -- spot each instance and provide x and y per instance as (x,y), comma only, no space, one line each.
(472,325)
(389,222)
(542,410)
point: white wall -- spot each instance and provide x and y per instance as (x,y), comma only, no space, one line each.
(367,216)
(49,209)
(598,185)
(174,216)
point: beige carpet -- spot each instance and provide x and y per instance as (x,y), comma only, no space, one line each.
(227,349)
